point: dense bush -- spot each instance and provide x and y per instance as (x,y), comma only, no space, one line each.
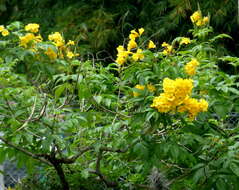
(156,118)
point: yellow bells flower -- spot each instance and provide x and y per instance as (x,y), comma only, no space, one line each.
(24,40)
(164,44)
(51,53)
(185,41)
(70,42)
(199,23)
(193,107)
(5,32)
(168,48)
(38,38)
(9,188)
(190,67)
(131,45)
(2,28)
(121,55)
(205,20)
(140,87)
(133,35)
(151,88)
(32,27)
(175,91)
(203,105)
(70,54)
(120,48)
(196,16)
(141,31)
(138,55)
(57,39)
(120,60)
(151,45)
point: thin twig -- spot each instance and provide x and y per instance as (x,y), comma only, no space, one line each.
(29,118)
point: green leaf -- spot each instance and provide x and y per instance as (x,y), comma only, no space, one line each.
(141,150)
(221,184)
(98,99)
(235,169)
(220,36)
(85,174)
(59,90)
(198,175)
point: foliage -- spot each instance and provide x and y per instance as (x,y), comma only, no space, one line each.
(100,25)
(77,120)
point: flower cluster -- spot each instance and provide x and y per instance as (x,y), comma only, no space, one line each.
(63,49)
(197,19)
(193,106)
(60,49)
(168,49)
(176,97)
(29,40)
(4,31)
(190,67)
(132,48)
(32,27)
(149,87)
(185,41)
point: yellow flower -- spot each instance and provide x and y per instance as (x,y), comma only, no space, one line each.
(1,28)
(121,55)
(120,48)
(57,39)
(168,48)
(164,44)
(32,27)
(193,107)
(120,60)
(38,38)
(24,40)
(203,105)
(151,88)
(5,32)
(140,87)
(161,103)
(70,54)
(70,42)
(138,55)
(141,31)
(131,45)
(175,91)
(9,188)
(196,16)
(205,20)
(151,45)
(133,35)
(199,23)
(51,53)
(185,41)
(190,67)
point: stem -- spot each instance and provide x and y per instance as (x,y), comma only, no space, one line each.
(61,175)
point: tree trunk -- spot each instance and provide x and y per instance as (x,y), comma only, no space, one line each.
(60,173)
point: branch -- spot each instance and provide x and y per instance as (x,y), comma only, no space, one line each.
(98,172)
(73,158)
(35,156)
(30,116)
(104,179)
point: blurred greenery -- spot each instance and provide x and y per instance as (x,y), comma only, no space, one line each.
(99,25)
